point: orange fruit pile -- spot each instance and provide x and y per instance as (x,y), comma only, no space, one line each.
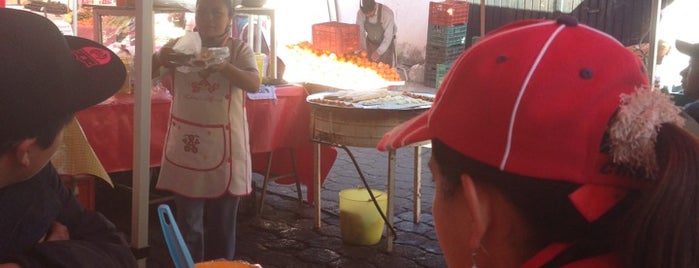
(359,59)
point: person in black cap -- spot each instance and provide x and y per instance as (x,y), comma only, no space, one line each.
(377,30)
(47,77)
(690,77)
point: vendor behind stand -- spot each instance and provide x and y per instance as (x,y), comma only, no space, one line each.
(206,158)
(45,77)
(545,154)
(377,30)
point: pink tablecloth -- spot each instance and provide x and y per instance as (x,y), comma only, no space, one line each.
(275,126)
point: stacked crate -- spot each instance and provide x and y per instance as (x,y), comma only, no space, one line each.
(336,37)
(446,38)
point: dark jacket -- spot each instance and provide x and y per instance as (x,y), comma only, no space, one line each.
(27,210)
(693,110)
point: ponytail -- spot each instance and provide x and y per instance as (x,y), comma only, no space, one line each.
(662,227)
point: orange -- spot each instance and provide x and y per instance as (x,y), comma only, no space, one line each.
(226,264)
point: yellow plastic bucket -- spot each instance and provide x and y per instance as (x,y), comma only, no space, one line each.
(261,60)
(360,222)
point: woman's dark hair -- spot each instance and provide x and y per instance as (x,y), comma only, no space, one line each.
(663,227)
(657,228)
(367,6)
(230,6)
(45,132)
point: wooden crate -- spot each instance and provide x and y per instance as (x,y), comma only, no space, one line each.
(450,12)
(336,37)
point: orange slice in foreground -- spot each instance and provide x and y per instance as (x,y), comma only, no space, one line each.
(226,264)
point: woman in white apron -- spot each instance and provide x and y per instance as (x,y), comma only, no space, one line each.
(206,159)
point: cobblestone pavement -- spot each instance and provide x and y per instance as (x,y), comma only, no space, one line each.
(284,234)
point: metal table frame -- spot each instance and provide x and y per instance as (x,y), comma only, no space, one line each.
(255,12)
(417,178)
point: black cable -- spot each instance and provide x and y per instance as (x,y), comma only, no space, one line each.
(366,185)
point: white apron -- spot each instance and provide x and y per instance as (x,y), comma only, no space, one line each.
(207,152)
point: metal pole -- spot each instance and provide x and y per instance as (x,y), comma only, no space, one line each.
(482,18)
(653,41)
(75,7)
(142,111)
(337,12)
(330,13)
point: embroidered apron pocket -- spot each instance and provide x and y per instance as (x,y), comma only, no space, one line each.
(194,146)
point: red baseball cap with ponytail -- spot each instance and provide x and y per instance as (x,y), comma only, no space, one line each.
(555,100)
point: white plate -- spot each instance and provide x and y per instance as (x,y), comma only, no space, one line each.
(382,106)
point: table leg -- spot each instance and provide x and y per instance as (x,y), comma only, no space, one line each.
(316,182)
(389,206)
(417,178)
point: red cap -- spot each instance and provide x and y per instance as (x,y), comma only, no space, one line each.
(534,98)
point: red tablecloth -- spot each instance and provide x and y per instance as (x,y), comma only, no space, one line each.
(275,126)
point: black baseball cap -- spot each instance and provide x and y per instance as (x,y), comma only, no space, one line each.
(687,48)
(367,6)
(44,74)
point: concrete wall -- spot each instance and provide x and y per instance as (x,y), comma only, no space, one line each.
(411,19)
(296,17)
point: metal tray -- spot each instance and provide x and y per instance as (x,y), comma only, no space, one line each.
(383,106)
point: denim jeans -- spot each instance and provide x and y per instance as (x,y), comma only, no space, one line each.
(208,226)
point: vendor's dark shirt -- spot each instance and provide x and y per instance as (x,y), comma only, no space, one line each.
(27,210)
(692,109)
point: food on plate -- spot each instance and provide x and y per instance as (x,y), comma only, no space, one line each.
(210,56)
(419,96)
(379,99)
(331,102)
(356,96)
(395,100)
(181,58)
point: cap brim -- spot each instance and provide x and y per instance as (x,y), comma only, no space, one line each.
(409,132)
(686,48)
(99,73)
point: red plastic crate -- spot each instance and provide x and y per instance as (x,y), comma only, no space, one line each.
(450,12)
(336,37)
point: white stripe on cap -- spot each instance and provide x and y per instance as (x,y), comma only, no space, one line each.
(522,90)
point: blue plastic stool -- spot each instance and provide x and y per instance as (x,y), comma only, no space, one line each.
(175,244)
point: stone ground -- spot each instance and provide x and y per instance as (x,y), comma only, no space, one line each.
(284,234)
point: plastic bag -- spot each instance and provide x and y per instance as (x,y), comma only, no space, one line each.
(188,44)
(199,59)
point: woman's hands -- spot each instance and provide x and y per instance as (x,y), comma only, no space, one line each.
(171,59)
(58,232)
